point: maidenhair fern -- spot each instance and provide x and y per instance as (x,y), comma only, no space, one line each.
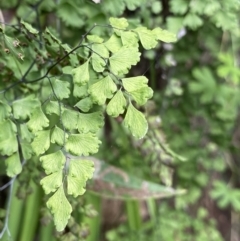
(56,113)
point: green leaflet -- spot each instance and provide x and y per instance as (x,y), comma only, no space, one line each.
(98,63)
(58,136)
(81,74)
(114,8)
(8,129)
(192,21)
(134,83)
(102,90)
(23,108)
(52,107)
(29,28)
(179,6)
(85,104)
(136,122)
(41,142)
(13,164)
(25,133)
(206,84)
(80,91)
(147,37)
(164,35)
(129,39)
(69,119)
(27,150)
(138,88)
(5,111)
(118,24)
(90,122)
(133,4)
(82,144)
(60,208)
(100,50)
(121,61)
(113,44)
(52,182)
(79,172)
(67,9)
(53,162)
(38,120)
(117,105)
(142,95)
(94,39)
(9,146)
(61,89)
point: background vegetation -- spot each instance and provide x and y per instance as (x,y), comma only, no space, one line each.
(190,155)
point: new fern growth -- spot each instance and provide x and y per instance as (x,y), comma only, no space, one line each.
(54,108)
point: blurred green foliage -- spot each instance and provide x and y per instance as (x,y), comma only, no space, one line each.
(194,111)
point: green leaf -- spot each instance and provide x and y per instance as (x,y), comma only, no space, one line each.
(90,122)
(126,185)
(212,7)
(27,150)
(98,63)
(142,95)
(25,133)
(114,8)
(147,37)
(138,88)
(69,119)
(9,146)
(117,105)
(79,172)
(94,39)
(23,108)
(118,23)
(52,182)
(69,8)
(38,120)
(136,122)
(82,144)
(29,28)
(102,90)
(192,21)
(81,74)
(8,129)
(198,6)
(121,61)
(13,164)
(133,4)
(226,195)
(53,162)
(100,50)
(85,104)
(52,107)
(113,44)
(174,24)
(80,91)
(156,7)
(61,89)
(164,35)
(134,83)
(60,208)
(41,142)
(179,6)
(5,111)
(129,39)
(58,136)
(206,84)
